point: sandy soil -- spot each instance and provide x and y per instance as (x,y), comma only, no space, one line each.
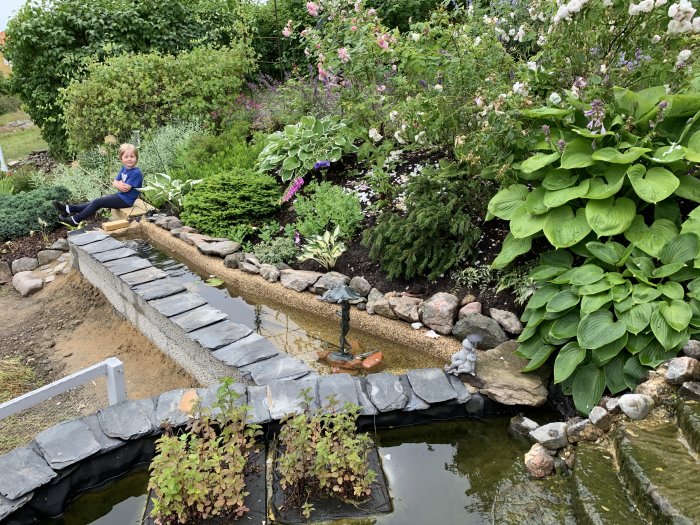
(65,327)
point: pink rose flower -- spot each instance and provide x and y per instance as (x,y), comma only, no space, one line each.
(343,54)
(312,8)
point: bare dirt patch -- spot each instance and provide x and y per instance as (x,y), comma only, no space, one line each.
(65,327)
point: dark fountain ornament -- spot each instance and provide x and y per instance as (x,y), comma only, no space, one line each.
(342,295)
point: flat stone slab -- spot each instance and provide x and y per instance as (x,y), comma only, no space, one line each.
(127,265)
(82,239)
(178,303)
(414,402)
(106,443)
(245,351)
(168,408)
(67,443)
(143,276)
(460,389)
(340,386)
(113,255)
(276,368)
(220,334)
(8,506)
(199,318)
(21,471)
(104,245)
(385,392)
(259,411)
(285,397)
(431,385)
(367,408)
(128,420)
(158,290)
(209,396)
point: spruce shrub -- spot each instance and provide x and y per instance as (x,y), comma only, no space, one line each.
(19,213)
(324,206)
(228,199)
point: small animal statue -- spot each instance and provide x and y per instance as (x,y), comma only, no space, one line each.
(464,361)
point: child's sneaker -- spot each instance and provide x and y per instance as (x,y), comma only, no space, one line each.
(62,208)
(68,219)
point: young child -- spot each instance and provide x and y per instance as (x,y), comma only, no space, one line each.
(127,181)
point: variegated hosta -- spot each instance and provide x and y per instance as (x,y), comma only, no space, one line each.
(618,294)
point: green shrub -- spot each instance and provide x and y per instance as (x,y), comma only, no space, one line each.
(9,104)
(325,205)
(20,213)
(160,148)
(439,228)
(228,199)
(279,249)
(83,184)
(188,86)
(324,249)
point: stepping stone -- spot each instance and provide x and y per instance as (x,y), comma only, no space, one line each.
(259,412)
(111,255)
(128,420)
(177,304)
(414,402)
(86,238)
(67,443)
(221,334)
(341,386)
(386,392)
(285,397)
(104,245)
(245,351)
(143,276)
(8,506)
(431,385)
(128,265)
(106,443)
(276,368)
(21,471)
(158,290)
(199,318)
(460,389)
(367,408)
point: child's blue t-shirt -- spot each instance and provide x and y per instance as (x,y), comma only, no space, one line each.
(134,178)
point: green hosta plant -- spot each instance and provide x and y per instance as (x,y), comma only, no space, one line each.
(324,249)
(298,148)
(163,188)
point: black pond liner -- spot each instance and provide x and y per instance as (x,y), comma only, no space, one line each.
(52,499)
(379,501)
(256,500)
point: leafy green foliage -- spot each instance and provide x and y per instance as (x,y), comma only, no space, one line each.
(161,188)
(199,474)
(295,150)
(50,43)
(323,456)
(278,249)
(229,199)
(145,91)
(6,185)
(160,148)
(439,228)
(325,205)
(20,213)
(324,249)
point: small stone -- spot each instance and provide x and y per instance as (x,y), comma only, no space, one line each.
(24,264)
(60,244)
(490,331)
(269,272)
(691,390)
(360,285)
(636,406)
(439,312)
(692,349)
(469,308)
(601,418)
(612,405)
(508,320)
(373,297)
(469,298)
(47,256)
(416,326)
(406,308)
(682,369)
(583,430)
(551,436)
(430,334)
(656,386)
(383,308)
(248,268)
(5,272)
(522,426)
(298,280)
(220,249)
(560,466)
(538,463)
(373,361)
(173,223)
(232,261)
(26,283)
(327,281)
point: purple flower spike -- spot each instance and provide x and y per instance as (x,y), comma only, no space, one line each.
(322,164)
(294,187)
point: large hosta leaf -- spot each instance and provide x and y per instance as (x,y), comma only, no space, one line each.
(609,252)
(564,229)
(654,354)
(587,274)
(577,154)
(562,301)
(594,302)
(669,154)
(568,358)
(523,225)
(545,113)
(683,105)
(664,333)
(538,161)
(653,186)
(610,216)
(602,188)
(506,201)
(534,204)
(641,103)
(559,179)
(615,375)
(511,248)
(539,358)
(636,318)
(688,188)
(613,155)
(565,327)
(680,249)
(692,152)
(641,293)
(587,388)
(554,199)
(634,372)
(651,238)
(598,329)
(676,313)
(607,352)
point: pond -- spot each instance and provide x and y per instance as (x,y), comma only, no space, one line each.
(449,473)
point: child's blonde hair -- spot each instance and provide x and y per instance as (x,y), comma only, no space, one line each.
(128,147)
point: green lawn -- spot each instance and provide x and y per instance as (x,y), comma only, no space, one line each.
(18,144)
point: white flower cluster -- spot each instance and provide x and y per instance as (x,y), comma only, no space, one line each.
(645,6)
(520,88)
(681,14)
(682,58)
(566,10)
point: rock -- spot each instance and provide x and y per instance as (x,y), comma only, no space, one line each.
(360,285)
(60,244)
(282,266)
(601,418)
(656,386)
(21,471)
(327,281)
(522,426)
(385,392)
(691,390)
(491,333)
(538,463)
(248,268)
(416,326)
(298,280)
(431,385)
(340,386)
(220,249)
(67,443)
(636,406)
(251,259)
(373,361)
(173,223)
(383,308)
(469,298)
(612,405)
(5,272)
(258,412)
(8,506)
(26,283)
(169,408)
(414,402)
(194,238)
(232,261)
(551,436)
(284,397)
(269,272)
(439,312)
(584,430)
(47,256)
(175,232)
(500,378)
(406,308)
(560,466)
(469,308)
(367,408)
(692,349)
(160,221)
(508,320)
(128,420)
(24,264)
(682,369)
(372,298)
